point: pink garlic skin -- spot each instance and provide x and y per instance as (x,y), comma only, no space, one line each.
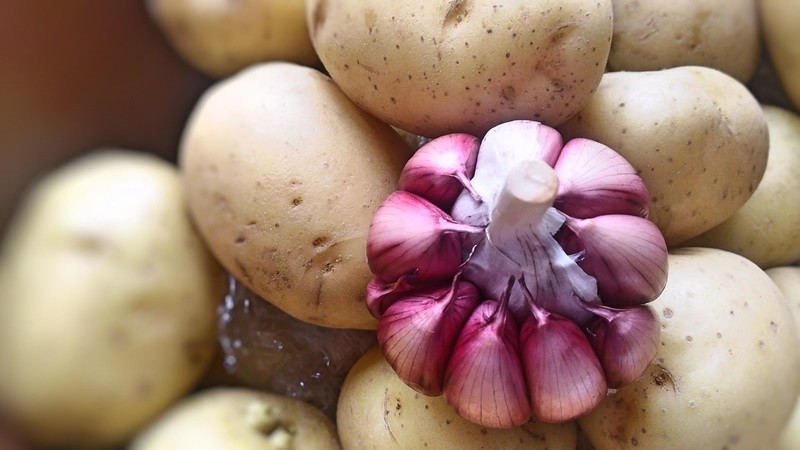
(590,246)
(564,377)
(418,332)
(441,169)
(409,234)
(625,341)
(484,379)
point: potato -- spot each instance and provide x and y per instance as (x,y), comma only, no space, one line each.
(653,35)
(766,229)
(787,278)
(437,67)
(378,411)
(239,419)
(283,174)
(725,375)
(779,19)
(788,281)
(107,301)
(696,136)
(221,37)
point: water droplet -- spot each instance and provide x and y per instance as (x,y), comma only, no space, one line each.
(267,349)
(692,404)
(667,313)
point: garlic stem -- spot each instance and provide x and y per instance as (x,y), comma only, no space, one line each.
(529,191)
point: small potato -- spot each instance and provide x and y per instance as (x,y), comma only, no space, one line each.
(779,19)
(378,411)
(766,229)
(697,137)
(220,37)
(107,302)
(283,173)
(444,66)
(725,374)
(653,35)
(239,419)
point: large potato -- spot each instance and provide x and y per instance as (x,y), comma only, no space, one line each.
(766,229)
(283,174)
(107,302)
(239,419)
(378,411)
(779,19)
(435,67)
(787,278)
(220,37)
(697,137)
(659,34)
(725,374)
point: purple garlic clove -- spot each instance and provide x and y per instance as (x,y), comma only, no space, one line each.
(627,255)
(484,380)
(409,234)
(595,180)
(418,331)
(625,340)
(564,377)
(381,294)
(441,169)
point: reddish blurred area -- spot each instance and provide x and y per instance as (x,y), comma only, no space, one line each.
(81,74)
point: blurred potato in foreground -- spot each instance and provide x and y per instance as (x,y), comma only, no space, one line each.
(107,302)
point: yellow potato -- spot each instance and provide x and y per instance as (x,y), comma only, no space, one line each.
(437,67)
(107,302)
(779,19)
(239,419)
(378,411)
(766,229)
(660,34)
(697,137)
(787,278)
(283,174)
(725,375)
(220,37)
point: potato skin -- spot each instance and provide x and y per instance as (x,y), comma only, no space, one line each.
(725,374)
(766,229)
(283,174)
(787,278)
(107,302)
(654,35)
(378,411)
(226,418)
(437,67)
(779,19)
(697,137)
(221,37)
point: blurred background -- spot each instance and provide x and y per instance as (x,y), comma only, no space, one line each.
(82,74)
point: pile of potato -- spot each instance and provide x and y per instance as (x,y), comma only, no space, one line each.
(112,268)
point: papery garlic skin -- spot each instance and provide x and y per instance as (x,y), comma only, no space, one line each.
(418,332)
(557,232)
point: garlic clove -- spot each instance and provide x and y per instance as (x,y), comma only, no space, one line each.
(595,180)
(625,341)
(564,376)
(381,294)
(484,380)
(627,255)
(409,234)
(441,169)
(417,332)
